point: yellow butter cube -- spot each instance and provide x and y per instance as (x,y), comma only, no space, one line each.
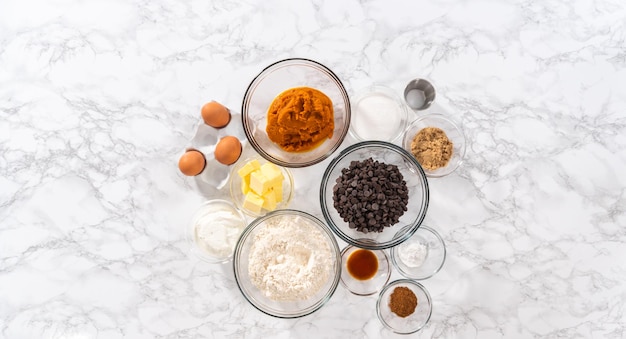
(278,192)
(272,173)
(259,183)
(269,201)
(249,167)
(245,184)
(253,202)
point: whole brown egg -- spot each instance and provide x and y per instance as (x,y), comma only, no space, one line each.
(192,163)
(228,150)
(215,114)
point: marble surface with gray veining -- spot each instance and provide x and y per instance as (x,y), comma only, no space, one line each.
(99,98)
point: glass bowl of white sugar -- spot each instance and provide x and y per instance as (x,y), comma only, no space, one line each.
(421,256)
(287,263)
(378,114)
(214,231)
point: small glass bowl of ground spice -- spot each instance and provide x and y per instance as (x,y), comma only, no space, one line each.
(437,142)
(364,272)
(404,306)
(420,257)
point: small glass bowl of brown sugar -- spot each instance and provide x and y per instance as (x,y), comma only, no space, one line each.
(404,306)
(437,142)
(364,272)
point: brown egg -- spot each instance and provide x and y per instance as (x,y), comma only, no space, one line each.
(192,163)
(228,150)
(215,114)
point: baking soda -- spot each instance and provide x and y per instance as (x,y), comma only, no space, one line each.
(413,254)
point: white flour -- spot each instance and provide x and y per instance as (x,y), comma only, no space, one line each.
(290,259)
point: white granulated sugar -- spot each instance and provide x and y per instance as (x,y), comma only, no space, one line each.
(290,259)
(376,117)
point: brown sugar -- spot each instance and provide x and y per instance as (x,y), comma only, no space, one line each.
(432,148)
(402,301)
(300,119)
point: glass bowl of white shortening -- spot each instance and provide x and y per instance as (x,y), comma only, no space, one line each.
(214,231)
(287,263)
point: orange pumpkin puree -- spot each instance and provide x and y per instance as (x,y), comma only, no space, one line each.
(300,118)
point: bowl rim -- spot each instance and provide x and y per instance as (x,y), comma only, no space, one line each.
(189,234)
(324,203)
(398,282)
(456,124)
(334,246)
(254,84)
(408,275)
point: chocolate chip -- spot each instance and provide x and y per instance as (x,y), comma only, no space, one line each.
(370,195)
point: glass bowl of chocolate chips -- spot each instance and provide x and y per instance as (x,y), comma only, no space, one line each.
(374,195)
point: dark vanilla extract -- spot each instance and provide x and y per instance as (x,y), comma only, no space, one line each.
(362,264)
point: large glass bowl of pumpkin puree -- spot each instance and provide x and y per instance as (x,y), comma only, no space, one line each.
(296,112)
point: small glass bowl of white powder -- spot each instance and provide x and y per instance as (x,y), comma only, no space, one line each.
(378,114)
(421,256)
(214,231)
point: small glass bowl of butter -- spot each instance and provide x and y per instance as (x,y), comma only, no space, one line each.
(258,186)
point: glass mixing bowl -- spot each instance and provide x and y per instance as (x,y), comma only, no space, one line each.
(418,195)
(435,254)
(239,198)
(275,79)
(367,286)
(415,321)
(256,297)
(207,217)
(453,131)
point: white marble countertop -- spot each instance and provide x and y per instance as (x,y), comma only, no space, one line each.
(98,99)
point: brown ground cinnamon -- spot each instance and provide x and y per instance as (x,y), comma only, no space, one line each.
(402,301)
(432,148)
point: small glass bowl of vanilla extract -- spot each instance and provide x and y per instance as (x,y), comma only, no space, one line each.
(364,272)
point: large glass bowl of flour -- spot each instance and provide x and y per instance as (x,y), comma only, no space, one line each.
(287,263)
